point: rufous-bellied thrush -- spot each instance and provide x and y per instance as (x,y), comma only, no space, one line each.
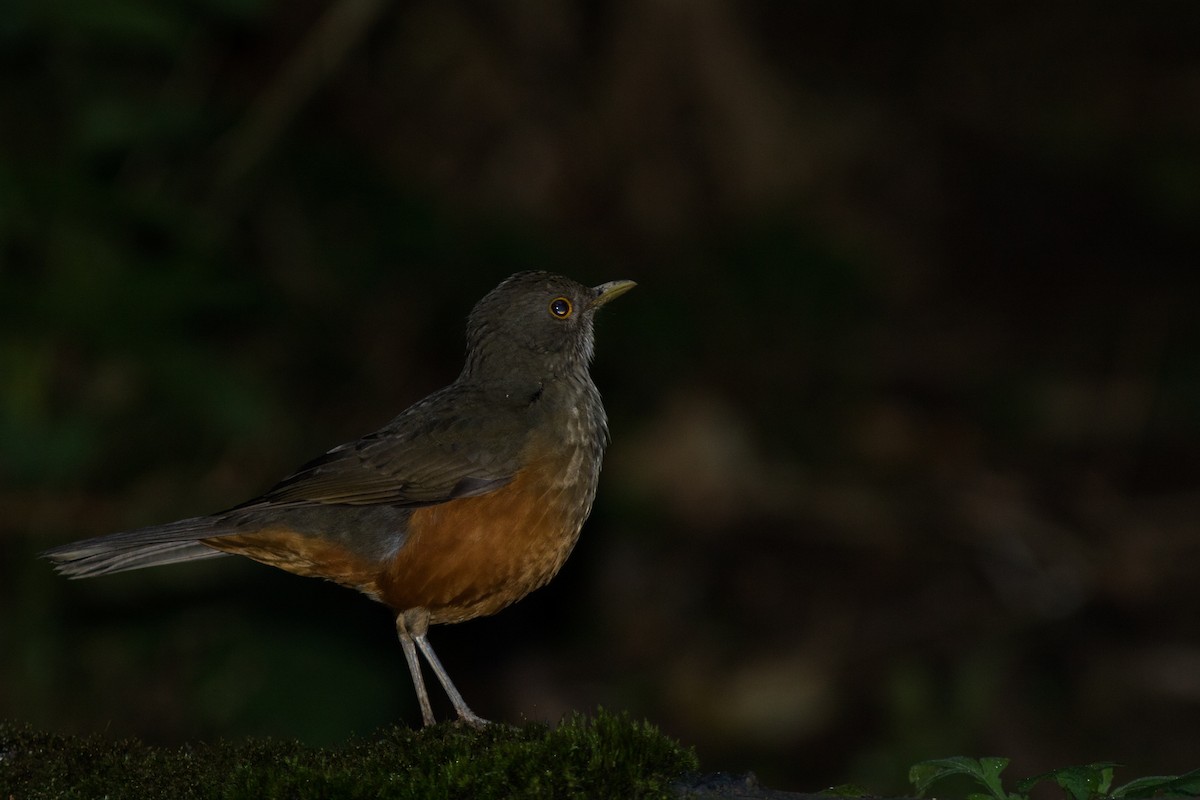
(463,504)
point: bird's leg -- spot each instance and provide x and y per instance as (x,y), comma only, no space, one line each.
(414,664)
(465,714)
(411,626)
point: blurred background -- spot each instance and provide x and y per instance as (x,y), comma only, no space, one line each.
(906,407)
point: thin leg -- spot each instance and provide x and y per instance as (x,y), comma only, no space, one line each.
(414,668)
(464,713)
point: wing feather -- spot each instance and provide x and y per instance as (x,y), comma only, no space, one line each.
(429,454)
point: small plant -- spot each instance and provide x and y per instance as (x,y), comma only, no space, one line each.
(1086,782)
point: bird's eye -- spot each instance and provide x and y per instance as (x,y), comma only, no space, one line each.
(561,307)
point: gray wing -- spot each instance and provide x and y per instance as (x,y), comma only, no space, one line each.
(435,451)
(429,454)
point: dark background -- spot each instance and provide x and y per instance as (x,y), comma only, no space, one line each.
(906,407)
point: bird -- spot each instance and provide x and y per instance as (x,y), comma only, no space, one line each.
(463,504)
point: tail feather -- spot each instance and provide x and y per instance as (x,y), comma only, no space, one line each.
(145,547)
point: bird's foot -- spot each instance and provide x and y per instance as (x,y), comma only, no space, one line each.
(469,718)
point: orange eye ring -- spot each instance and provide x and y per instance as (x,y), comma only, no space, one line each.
(561,308)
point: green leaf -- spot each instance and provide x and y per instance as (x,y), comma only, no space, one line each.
(992,767)
(1185,785)
(986,771)
(1085,782)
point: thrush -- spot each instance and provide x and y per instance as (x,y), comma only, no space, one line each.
(463,504)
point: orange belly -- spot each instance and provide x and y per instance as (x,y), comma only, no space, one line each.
(473,556)
(311,556)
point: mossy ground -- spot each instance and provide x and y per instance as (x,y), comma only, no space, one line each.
(605,755)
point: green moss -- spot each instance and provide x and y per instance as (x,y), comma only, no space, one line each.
(602,756)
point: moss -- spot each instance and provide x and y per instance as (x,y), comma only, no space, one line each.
(602,756)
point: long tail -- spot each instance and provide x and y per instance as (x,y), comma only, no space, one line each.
(144,547)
